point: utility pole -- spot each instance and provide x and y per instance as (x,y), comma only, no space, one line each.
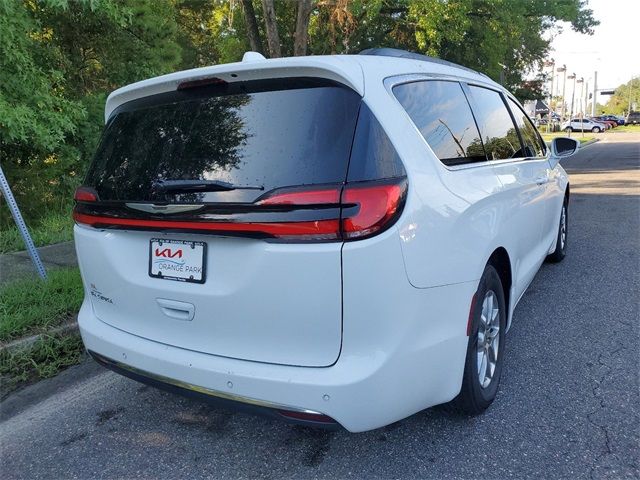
(595,91)
(630,86)
(582,107)
(573,92)
(581,82)
(551,63)
(563,69)
(503,68)
(586,95)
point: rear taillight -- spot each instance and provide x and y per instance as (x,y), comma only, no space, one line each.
(377,206)
(299,196)
(311,213)
(85,194)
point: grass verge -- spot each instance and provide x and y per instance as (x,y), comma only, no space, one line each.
(29,306)
(547,137)
(53,228)
(42,359)
(625,128)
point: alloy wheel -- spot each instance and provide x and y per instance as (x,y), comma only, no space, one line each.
(488,339)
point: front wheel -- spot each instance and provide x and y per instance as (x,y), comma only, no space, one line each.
(485,350)
(568,129)
(595,130)
(561,239)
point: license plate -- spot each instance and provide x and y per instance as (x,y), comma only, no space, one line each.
(179,260)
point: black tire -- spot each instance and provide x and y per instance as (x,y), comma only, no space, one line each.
(568,129)
(561,241)
(475,398)
(595,130)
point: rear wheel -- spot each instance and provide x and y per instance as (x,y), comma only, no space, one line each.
(561,240)
(595,130)
(485,350)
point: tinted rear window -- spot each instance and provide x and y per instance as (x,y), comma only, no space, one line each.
(440,110)
(272,134)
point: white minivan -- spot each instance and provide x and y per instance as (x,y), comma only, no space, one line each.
(332,240)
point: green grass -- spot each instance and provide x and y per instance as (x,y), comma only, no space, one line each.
(43,359)
(29,306)
(625,128)
(547,137)
(53,228)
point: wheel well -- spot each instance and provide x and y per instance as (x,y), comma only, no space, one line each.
(501,262)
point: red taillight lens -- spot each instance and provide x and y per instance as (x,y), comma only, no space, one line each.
(303,196)
(85,194)
(377,205)
(315,213)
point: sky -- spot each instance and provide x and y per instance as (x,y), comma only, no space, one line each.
(613,50)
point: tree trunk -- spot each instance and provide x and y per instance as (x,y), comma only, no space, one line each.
(301,37)
(273,39)
(252,26)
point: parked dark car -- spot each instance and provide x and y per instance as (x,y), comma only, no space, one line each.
(607,119)
(602,119)
(633,118)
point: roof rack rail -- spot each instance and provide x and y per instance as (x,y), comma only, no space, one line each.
(396,52)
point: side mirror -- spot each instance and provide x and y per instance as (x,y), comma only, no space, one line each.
(562,147)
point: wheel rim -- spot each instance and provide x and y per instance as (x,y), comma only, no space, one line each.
(488,341)
(563,227)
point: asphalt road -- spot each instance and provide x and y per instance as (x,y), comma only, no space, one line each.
(568,406)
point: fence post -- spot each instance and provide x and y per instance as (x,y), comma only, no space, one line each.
(22,227)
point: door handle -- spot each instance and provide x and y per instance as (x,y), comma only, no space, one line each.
(542,180)
(176,310)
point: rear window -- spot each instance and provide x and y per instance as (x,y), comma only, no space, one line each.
(270,133)
(439,109)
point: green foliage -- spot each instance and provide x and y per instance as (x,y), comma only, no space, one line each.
(58,61)
(45,358)
(31,305)
(626,93)
(54,227)
(34,113)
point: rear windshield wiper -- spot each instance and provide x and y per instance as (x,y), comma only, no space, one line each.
(189,186)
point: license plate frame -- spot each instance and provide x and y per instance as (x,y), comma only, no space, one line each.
(174,260)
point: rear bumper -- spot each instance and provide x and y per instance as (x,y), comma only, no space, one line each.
(222,399)
(420,365)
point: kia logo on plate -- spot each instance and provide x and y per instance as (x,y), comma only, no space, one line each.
(168,253)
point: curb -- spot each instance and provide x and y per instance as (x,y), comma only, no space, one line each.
(26,342)
(590,142)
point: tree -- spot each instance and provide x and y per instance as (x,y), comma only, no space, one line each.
(302,27)
(252,26)
(273,39)
(624,98)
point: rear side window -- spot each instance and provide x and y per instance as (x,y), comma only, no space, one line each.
(533,144)
(499,134)
(440,110)
(373,156)
(268,134)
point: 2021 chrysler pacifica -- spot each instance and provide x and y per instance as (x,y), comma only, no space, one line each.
(330,239)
